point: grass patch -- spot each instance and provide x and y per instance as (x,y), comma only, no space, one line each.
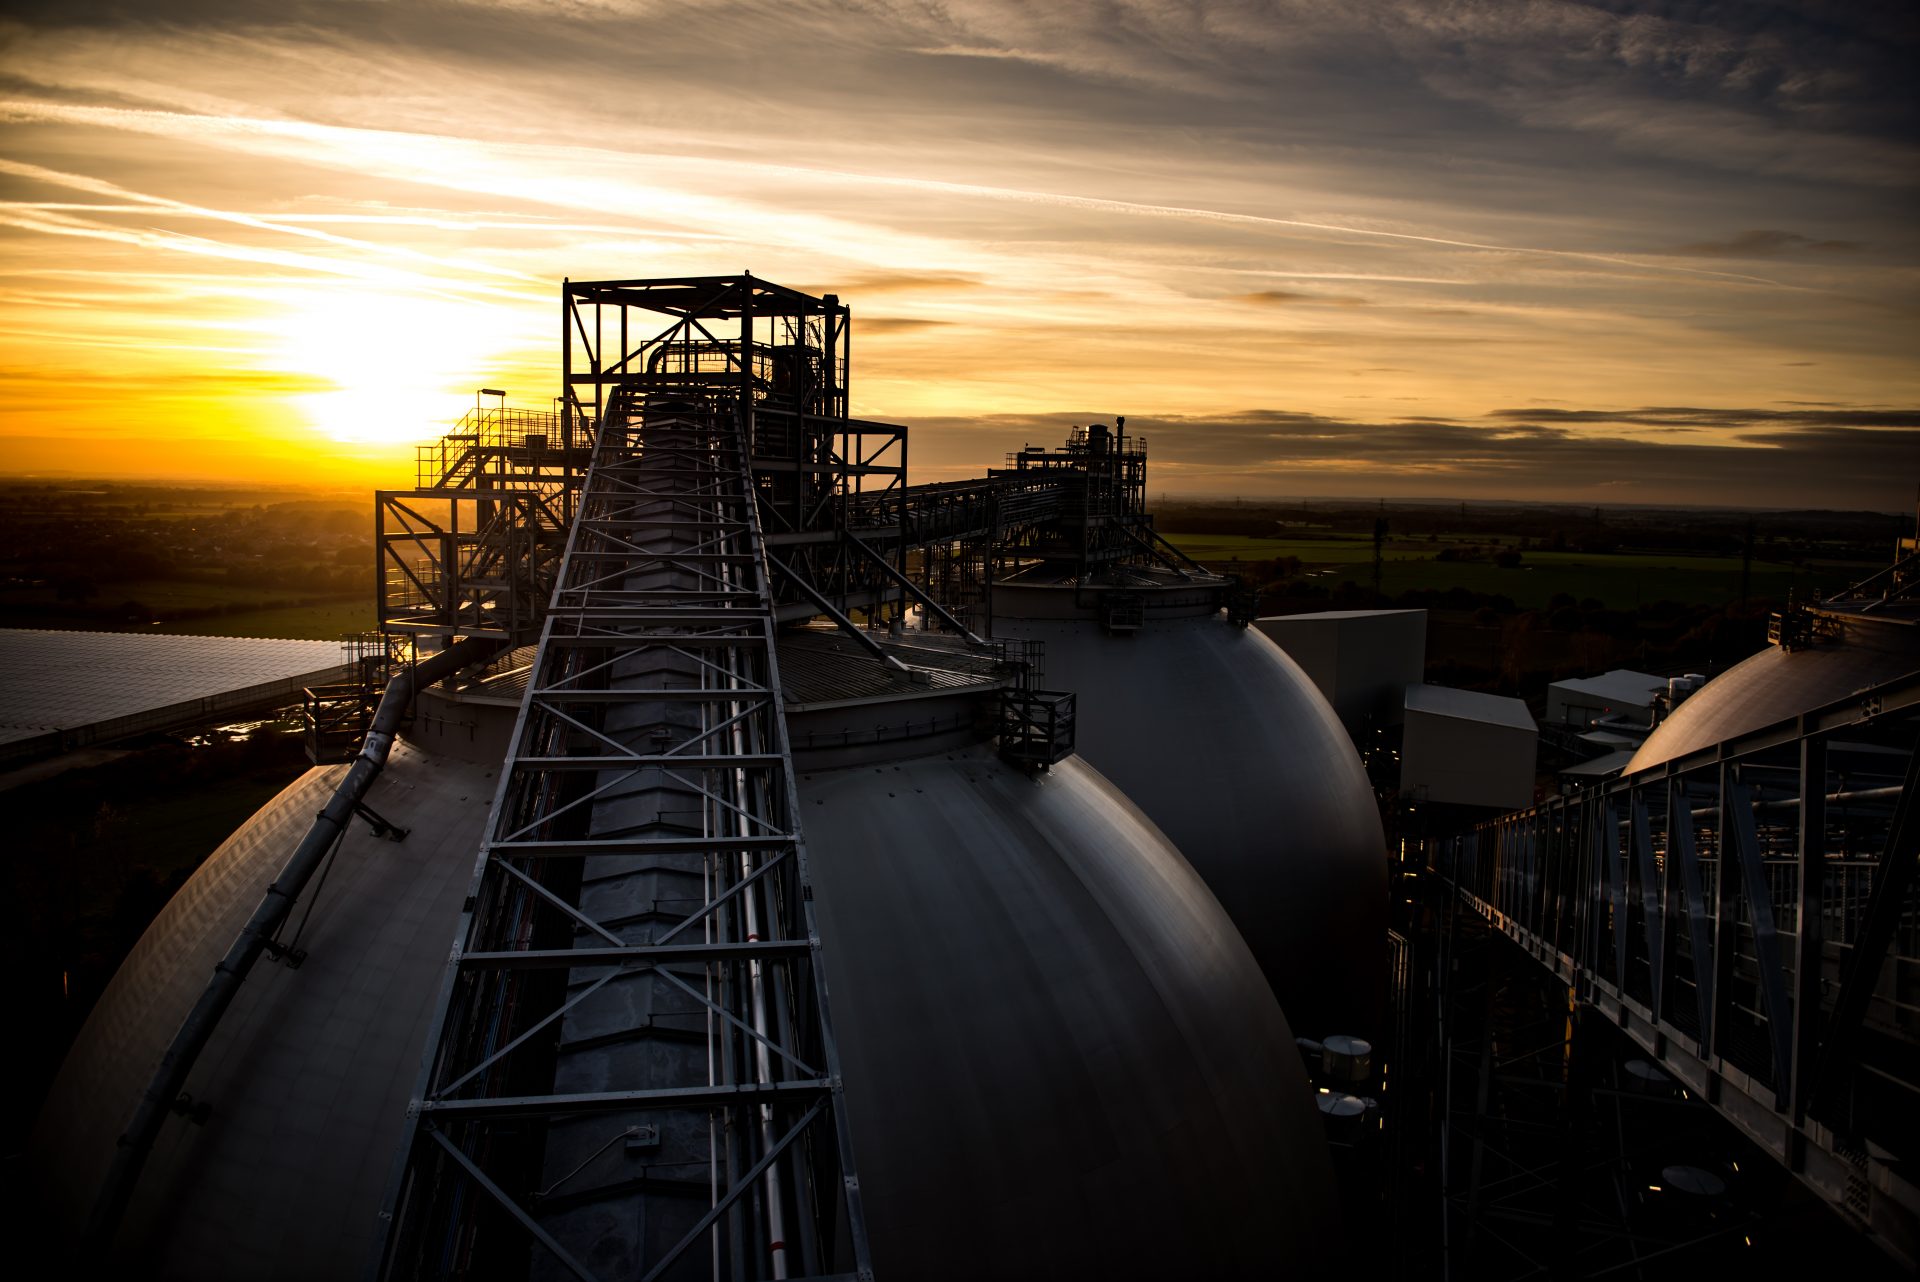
(1227,547)
(323,622)
(1621,581)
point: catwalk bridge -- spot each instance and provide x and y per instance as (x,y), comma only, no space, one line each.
(1747,914)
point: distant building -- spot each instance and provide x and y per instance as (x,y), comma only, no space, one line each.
(1362,660)
(1466,748)
(1622,693)
(1598,770)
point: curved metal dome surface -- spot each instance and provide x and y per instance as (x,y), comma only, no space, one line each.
(1227,745)
(1776,684)
(310,1070)
(1048,1027)
(1061,1060)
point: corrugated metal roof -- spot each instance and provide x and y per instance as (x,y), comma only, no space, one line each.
(1600,767)
(1331,615)
(1622,686)
(818,667)
(821,668)
(1469,705)
(503,680)
(52,681)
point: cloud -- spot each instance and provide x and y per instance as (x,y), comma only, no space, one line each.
(1803,458)
(1283,297)
(1767,243)
(905,283)
(898,324)
(1720,419)
(1350,210)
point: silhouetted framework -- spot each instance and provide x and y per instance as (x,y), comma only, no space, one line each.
(472,549)
(1080,508)
(633,1071)
(829,486)
(635,1062)
(1748,914)
(335,716)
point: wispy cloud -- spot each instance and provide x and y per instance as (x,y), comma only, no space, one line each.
(1299,453)
(1372,213)
(1767,243)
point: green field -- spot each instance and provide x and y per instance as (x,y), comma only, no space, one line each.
(324,622)
(210,607)
(1620,581)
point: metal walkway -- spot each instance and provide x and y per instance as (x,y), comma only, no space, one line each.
(640,933)
(1747,914)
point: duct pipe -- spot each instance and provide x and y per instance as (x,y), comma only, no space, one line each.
(136,1142)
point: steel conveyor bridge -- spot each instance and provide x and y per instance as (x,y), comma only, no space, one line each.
(474,548)
(1748,915)
(649,770)
(633,1070)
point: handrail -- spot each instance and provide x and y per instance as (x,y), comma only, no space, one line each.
(136,1142)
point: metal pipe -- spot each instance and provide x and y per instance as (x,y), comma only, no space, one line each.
(136,1142)
(757,982)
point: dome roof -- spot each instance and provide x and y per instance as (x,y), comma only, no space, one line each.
(1047,1026)
(1776,684)
(1049,1031)
(309,1072)
(1228,746)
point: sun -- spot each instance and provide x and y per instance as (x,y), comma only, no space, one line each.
(400,366)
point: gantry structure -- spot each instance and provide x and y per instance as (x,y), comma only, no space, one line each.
(638,965)
(1747,914)
(473,549)
(1078,510)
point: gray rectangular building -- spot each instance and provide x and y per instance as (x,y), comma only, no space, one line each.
(1468,748)
(1580,701)
(1362,660)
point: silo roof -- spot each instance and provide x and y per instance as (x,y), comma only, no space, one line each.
(1776,684)
(1600,767)
(1622,685)
(1470,705)
(822,667)
(98,685)
(1333,615)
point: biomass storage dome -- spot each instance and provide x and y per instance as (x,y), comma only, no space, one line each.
(1226,745)
(1061,1058)
(1828,656)
(308,1074)
(1049,1029)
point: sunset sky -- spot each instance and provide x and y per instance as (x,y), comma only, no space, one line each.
(1528,249)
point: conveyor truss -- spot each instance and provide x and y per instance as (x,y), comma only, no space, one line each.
(651,754)
(633,1071)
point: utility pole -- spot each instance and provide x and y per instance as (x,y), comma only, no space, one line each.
(1379,545)
(1746,564)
